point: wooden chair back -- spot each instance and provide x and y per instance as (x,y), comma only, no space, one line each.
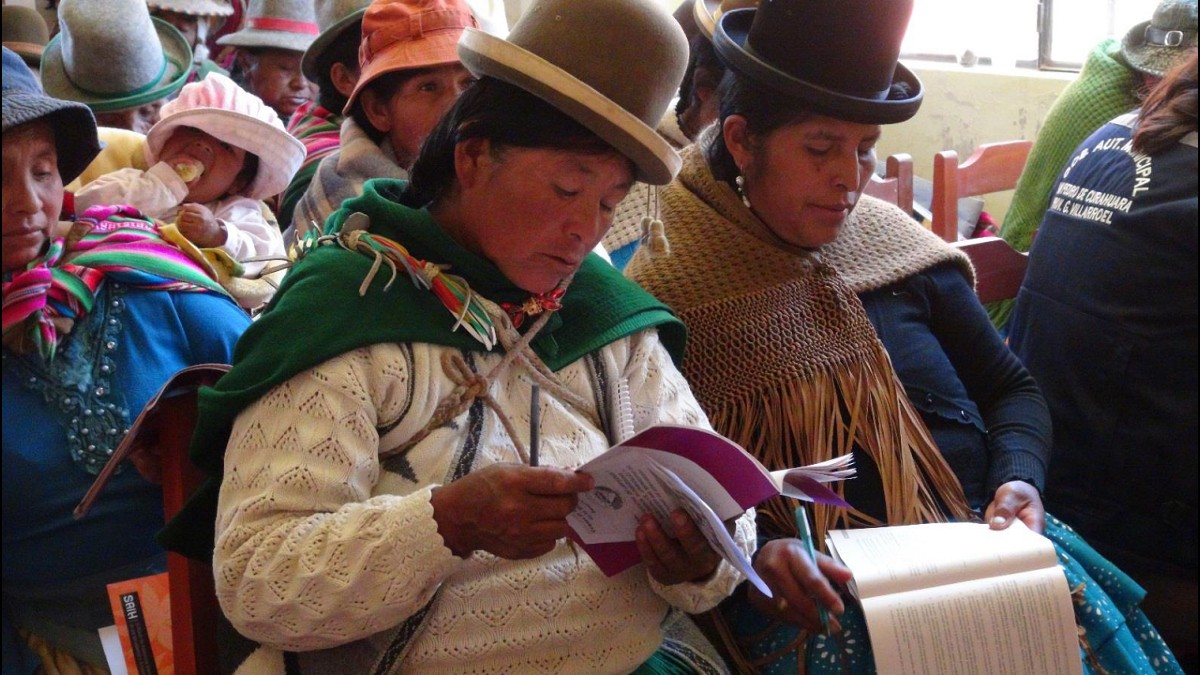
(999,268)
(993,167)
(194,608)
(896,186)
(164,429)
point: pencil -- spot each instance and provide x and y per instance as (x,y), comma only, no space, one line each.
(534,423)
(806,537)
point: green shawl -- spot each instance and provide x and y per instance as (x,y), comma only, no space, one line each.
(318,314)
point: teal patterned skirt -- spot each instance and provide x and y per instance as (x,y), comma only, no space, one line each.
(1115,636)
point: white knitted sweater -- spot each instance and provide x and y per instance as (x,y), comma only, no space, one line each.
(319,544)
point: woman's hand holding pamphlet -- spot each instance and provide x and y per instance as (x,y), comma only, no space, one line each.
(710,477)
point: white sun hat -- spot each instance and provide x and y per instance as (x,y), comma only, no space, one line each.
(219,107)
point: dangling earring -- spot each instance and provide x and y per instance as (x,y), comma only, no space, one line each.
(741,190)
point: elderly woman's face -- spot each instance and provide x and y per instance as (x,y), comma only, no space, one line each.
(536,213)
(804,179)
(274,76)
(33,192)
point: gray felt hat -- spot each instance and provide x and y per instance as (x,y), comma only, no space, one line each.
(1153,46)
(193,7)
(73,123)
(334,18)
(612,65)
(111,55)
(276,24)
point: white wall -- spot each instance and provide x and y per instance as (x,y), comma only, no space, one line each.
(965,107)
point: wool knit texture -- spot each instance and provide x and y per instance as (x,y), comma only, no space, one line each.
(1105,88)
(320,132)
(779,346)
(627,221)
(880,245)
(321,545)
(341,175)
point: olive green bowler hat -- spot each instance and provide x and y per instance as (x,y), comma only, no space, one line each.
(612,65)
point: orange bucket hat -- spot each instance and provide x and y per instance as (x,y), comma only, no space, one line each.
(407,34)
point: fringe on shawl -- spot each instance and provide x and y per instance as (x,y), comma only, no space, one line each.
(801,421)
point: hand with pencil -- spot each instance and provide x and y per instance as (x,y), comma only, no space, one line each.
(509,510)
(802,581)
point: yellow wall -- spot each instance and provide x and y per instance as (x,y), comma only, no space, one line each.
(965,107)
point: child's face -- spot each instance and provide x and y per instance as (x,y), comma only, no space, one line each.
(416,107)
(222,163)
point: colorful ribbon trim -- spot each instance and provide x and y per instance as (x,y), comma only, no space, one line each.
(453,291)
(42,303)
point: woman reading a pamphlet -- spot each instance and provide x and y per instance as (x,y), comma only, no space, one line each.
(771,248)
(378,510)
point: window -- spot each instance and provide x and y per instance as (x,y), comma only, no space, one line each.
(1050,34)
(1070,28)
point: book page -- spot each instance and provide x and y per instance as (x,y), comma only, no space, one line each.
(711,527)
(626,488)
(718,472)
(806,482)
(900,558)
(1018,624)
(114,657)
(703,459)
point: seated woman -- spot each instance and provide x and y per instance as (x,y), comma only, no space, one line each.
(1107,322)
(770,243)
(91,332)
(408,78)
(377,502)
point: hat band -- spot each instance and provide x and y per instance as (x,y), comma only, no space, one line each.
(412,27)
(18,46)
(125,94)
(1160,37)
(284,25)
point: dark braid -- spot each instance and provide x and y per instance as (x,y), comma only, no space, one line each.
(502,113)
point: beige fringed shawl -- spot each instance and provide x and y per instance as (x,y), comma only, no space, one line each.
(781,354)
(881,245)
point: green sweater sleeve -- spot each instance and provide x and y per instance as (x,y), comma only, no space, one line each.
(1105,88)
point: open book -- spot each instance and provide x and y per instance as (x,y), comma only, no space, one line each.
(710,477)
(961,598)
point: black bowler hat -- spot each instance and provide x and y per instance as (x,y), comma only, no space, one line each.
(837,57)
